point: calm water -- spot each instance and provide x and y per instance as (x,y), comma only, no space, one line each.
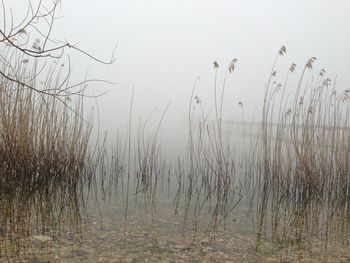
(73,226)
(172,217)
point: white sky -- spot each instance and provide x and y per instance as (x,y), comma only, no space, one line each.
(164,45)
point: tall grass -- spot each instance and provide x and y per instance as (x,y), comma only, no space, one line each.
(303,154)
(43,138)
(210,171)
(305,141)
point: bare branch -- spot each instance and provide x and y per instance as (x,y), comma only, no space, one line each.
(17,55)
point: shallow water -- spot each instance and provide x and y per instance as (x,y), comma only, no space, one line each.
(89,229)
(172,217)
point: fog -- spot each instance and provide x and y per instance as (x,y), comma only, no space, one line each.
(162,46)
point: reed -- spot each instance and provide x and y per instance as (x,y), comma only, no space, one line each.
(306,150)
(210,173)
(43,139)
(302,155)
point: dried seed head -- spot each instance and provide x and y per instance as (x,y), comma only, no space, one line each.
(322,72)
(36,46)
(197,99)
(282,51)
(326,82)
(231,67)
(22,31)
(240,103)
(289,112)
(344,98)
(292,67)
(278,87)
(216,65)
(310,110)
(310,62)
(301,101)
(274,73)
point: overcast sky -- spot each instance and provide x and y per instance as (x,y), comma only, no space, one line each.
(164,45)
